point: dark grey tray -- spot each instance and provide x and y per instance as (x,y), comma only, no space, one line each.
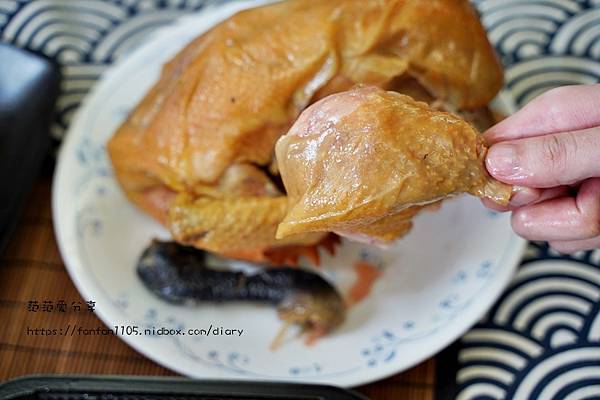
(29,86)
(64,387)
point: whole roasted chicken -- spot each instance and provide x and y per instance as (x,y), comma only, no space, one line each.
(197,153)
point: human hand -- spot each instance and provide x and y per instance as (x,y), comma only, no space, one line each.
(550,151)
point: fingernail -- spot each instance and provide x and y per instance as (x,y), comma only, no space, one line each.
(522,196)
(489,137)
(501,160)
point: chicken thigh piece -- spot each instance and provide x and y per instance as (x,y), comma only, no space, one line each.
(362,163)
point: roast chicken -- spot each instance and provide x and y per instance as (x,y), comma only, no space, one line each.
(197,153)
(362,163)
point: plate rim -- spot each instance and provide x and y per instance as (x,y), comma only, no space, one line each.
(73,262)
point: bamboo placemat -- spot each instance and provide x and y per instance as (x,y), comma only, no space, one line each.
(31,269)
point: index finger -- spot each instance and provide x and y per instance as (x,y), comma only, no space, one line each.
(566,108)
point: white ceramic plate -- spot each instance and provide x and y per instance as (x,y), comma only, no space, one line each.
(438,281)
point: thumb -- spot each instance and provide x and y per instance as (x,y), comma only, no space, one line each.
(547,161)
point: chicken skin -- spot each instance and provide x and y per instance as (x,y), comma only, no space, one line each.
(197,153)
(364,162)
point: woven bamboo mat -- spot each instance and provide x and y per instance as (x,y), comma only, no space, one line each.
(31,269)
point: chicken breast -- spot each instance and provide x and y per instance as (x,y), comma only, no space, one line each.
(364,162)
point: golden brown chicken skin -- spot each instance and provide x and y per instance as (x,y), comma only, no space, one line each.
(362,163)
(221,104)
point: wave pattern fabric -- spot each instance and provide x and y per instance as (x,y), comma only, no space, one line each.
(542,339)
(85,37)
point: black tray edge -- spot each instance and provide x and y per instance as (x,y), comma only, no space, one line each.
(31,384)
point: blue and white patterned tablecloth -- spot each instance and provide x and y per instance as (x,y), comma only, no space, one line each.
(542,339)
